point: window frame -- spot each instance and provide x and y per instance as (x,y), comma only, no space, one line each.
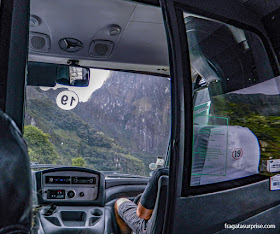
(14,31)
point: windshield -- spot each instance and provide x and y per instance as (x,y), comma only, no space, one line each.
(119,123)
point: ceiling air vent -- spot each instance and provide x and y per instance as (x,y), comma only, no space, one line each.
(39,42)
(101,48)
(70,44)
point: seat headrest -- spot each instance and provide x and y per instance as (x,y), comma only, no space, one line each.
(15,180)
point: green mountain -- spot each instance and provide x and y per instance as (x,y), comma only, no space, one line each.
(124,126)
(69,137)
(135,110)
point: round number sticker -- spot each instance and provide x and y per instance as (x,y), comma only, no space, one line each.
(67,100)
(237,153)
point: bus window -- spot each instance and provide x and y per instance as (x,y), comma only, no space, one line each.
(232,109)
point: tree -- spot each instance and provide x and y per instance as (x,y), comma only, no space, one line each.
(40,150)
(78,162)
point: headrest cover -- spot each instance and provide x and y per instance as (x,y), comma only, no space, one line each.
(15,182)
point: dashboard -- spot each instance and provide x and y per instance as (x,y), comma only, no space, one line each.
(70,185)
(74,199)
(71,200)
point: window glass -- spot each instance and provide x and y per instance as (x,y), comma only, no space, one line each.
(236,101)
(119,124)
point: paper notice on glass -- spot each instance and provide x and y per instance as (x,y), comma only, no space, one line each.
(275,182)
(273,165)
(222,152)
(216,153)
(210,147)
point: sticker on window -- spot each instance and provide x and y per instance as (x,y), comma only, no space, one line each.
(67,100)
(237,153)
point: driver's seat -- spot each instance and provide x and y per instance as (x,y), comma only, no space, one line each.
(155,225)
(15,182)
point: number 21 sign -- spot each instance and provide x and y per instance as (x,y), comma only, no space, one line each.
(67,100)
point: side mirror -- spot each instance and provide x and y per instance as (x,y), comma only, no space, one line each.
(160,162)
(153,166)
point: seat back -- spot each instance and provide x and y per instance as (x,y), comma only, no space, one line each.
(15,180)
(156,222)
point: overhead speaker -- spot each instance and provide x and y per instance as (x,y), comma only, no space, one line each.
(39,42)
(101,48)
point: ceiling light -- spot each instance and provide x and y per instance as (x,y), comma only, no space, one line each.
(34,21)
(114,30)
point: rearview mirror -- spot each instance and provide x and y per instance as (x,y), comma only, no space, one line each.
(72,75)
(47,74)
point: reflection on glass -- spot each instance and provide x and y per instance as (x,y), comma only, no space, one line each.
(234,81)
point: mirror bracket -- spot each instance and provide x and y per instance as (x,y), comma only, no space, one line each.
(73,62)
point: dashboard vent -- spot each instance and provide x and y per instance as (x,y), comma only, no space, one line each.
(39,42)
(101,48)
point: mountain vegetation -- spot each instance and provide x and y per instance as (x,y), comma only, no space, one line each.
(56,136)
(78,162)
(135,110)
(38,145)
(123,127)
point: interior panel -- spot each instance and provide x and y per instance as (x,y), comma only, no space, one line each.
(141,39)
(206,213)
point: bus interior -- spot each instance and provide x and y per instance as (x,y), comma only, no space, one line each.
(98,94)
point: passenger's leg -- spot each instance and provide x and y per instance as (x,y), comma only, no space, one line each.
(126,210)
(124,228)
